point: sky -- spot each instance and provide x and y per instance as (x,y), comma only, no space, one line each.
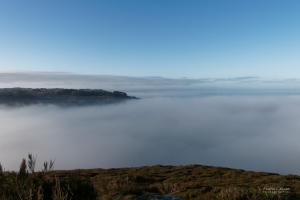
(169,38)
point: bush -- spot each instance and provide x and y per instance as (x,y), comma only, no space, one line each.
(28,184)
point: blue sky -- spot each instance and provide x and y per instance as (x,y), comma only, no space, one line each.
(169,38)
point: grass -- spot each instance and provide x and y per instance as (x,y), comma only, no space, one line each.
(27,184)
(194,182)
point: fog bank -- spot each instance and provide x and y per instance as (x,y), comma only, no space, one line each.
(250,132)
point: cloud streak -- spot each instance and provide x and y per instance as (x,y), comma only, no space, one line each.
(58,79)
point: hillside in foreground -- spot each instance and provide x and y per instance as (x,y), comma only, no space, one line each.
(193,182)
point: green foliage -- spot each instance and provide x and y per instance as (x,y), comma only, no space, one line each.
(1,170)
(48,166)
(23,168)
(31,162)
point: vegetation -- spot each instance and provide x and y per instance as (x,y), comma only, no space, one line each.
(194,182)
(27,184)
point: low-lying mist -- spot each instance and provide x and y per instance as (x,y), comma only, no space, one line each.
(251,132)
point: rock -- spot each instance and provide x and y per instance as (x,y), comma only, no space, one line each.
(119,94)
(158,197)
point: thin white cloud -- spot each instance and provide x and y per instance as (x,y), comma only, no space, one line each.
(61,79)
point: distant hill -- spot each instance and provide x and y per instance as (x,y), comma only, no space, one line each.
(61,96)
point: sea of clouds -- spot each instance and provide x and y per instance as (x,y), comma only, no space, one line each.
(224,122)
